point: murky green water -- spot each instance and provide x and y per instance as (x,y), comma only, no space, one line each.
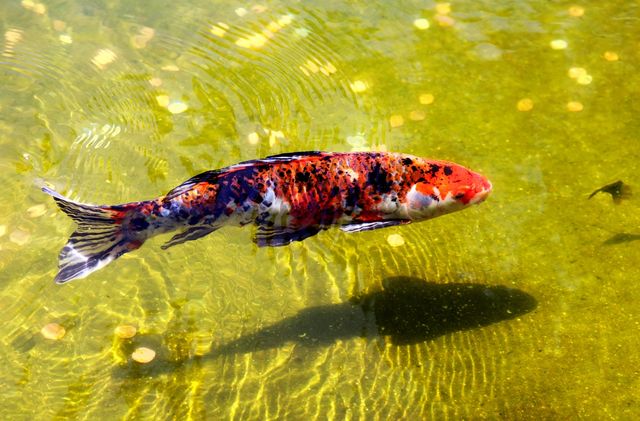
(525,307)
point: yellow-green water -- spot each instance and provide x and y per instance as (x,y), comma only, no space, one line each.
(92,101)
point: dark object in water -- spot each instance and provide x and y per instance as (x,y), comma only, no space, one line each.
(620,238)
(407,311)
(617,190)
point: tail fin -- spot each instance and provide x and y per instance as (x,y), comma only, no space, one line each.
(98,240)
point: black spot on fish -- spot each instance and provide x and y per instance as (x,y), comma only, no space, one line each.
(352,197)
(448,171)
(334,191)
(254,195)
(139,224)
(407,161)
(378,178)
(302,177)
(433,170)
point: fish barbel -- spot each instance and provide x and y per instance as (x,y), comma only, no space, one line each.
(289,197)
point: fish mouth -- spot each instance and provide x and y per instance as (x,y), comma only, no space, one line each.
(482,193)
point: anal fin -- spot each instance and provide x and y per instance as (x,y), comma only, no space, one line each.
(281,236)
(368,226)
(190,234)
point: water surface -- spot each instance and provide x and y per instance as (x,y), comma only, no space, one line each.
(525,307)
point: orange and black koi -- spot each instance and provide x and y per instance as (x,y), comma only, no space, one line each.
(289,197)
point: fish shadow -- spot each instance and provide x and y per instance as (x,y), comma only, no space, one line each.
(620,238)
(406,310)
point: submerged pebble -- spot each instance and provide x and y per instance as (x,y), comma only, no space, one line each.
(53,331)
(59,25)
(417,115)
(443,8)
(103,57)
(19,237)
(125,331)
(525,104)
(396,120)
(576,11)
(487,51)
(444,20)
(145,34)
(426,99)
(611,56)
(395,240)
(143,355)
(36,211)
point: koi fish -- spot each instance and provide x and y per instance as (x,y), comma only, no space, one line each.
(290,197)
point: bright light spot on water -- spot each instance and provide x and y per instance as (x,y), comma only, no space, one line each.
(217,31)
(358,86)
(584,79)
(574,106)
(162,100)
(559,44)
(576,72)
(65,39)
(421,23)
(171,68)
(253,138)
(177,107)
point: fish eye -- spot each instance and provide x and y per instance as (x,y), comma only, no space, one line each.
(458,196)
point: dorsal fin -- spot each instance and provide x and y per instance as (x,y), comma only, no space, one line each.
(289,155)
(212,176)
(205,177)
(283,157)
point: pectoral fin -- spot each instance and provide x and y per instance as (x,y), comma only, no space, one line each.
(189,235)
(368,226)
(281,236)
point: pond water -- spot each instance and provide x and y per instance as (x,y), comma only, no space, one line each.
(525,307)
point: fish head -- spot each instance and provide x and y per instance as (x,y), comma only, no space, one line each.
(446,187)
